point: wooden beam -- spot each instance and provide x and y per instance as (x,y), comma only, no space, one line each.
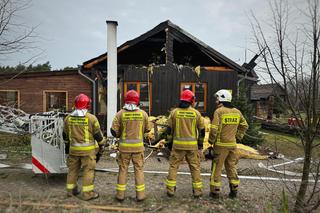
(72,206)
(218,68)
(102,58)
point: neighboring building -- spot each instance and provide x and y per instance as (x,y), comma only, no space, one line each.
(35,92)
(265,96)
(161,63)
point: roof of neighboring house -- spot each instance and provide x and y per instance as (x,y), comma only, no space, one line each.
(263,91)
(180,35)
(37,74)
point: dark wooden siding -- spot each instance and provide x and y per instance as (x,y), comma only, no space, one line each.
(166,81)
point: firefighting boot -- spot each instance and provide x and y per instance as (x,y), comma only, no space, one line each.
(214,192)
(89,195)
(171,191)
(72,192)
(141,196)
(233,191)
(197,193)
(120,195)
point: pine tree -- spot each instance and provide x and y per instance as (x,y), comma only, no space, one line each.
(242,102)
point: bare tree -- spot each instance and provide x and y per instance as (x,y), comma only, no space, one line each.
(15,36)
(291,59)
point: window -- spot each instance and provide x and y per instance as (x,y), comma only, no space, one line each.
(143,90)
(55,100)
(10,98)
(200,91)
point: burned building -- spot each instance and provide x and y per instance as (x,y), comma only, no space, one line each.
(162,62)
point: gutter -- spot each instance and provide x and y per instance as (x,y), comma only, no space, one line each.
(94,87)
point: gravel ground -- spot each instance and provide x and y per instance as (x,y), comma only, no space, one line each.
(254,195)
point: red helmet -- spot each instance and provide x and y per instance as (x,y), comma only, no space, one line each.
(82,102)
(132,97)
(187,95)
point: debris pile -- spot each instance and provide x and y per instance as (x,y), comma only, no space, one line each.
(13,120)
(158,130)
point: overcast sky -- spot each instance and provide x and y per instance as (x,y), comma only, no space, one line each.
(73,31)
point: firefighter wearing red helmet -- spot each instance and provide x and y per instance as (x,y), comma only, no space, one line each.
(83,136)
(228,126)
(130,124)
(187,129)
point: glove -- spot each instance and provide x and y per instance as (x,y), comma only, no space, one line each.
(66,148)
(100,152)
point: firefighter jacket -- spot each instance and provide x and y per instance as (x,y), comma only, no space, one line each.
(227,126)
(185,124)
(81,134)
(130,127)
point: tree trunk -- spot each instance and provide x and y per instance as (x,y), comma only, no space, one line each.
(301,195)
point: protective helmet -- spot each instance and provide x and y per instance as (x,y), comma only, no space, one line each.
(224,95)
(82,102)
(187,95)
(132,97)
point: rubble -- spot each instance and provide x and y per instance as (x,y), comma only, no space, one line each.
(13,120)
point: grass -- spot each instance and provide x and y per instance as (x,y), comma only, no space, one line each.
(289,145)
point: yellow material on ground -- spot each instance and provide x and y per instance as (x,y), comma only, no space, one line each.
(248,152)
(162,122)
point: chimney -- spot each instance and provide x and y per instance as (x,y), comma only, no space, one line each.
(111,73)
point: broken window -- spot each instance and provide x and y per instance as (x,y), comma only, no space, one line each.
(55,101)
(10,98)
(200,91)
(144,92)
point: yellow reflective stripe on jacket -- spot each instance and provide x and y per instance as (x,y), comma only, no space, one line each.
(177,131)
(197,185)
(71,186)
(230,118)
(121,187)
(86,134)
(235,182)
(171,183)
(88,188)
(193,128)
(140,188)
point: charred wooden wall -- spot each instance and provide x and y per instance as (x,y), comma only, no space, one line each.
(166,81)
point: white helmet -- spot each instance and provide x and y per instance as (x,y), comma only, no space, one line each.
(224,95)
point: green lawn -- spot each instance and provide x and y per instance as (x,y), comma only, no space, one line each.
(289,145)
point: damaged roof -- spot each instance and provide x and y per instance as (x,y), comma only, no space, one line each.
(154,47)
(263,91)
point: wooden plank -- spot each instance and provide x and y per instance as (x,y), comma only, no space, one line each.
(218,68)
(71,206)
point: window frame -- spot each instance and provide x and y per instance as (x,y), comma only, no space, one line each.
(13,90)
(52,91)
(138,83)
(193,86)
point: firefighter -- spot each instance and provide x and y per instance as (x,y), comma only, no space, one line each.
(130,124)
(187,129)
(81,133)
(228,126)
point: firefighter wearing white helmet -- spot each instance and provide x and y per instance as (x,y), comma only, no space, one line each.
(228,126)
